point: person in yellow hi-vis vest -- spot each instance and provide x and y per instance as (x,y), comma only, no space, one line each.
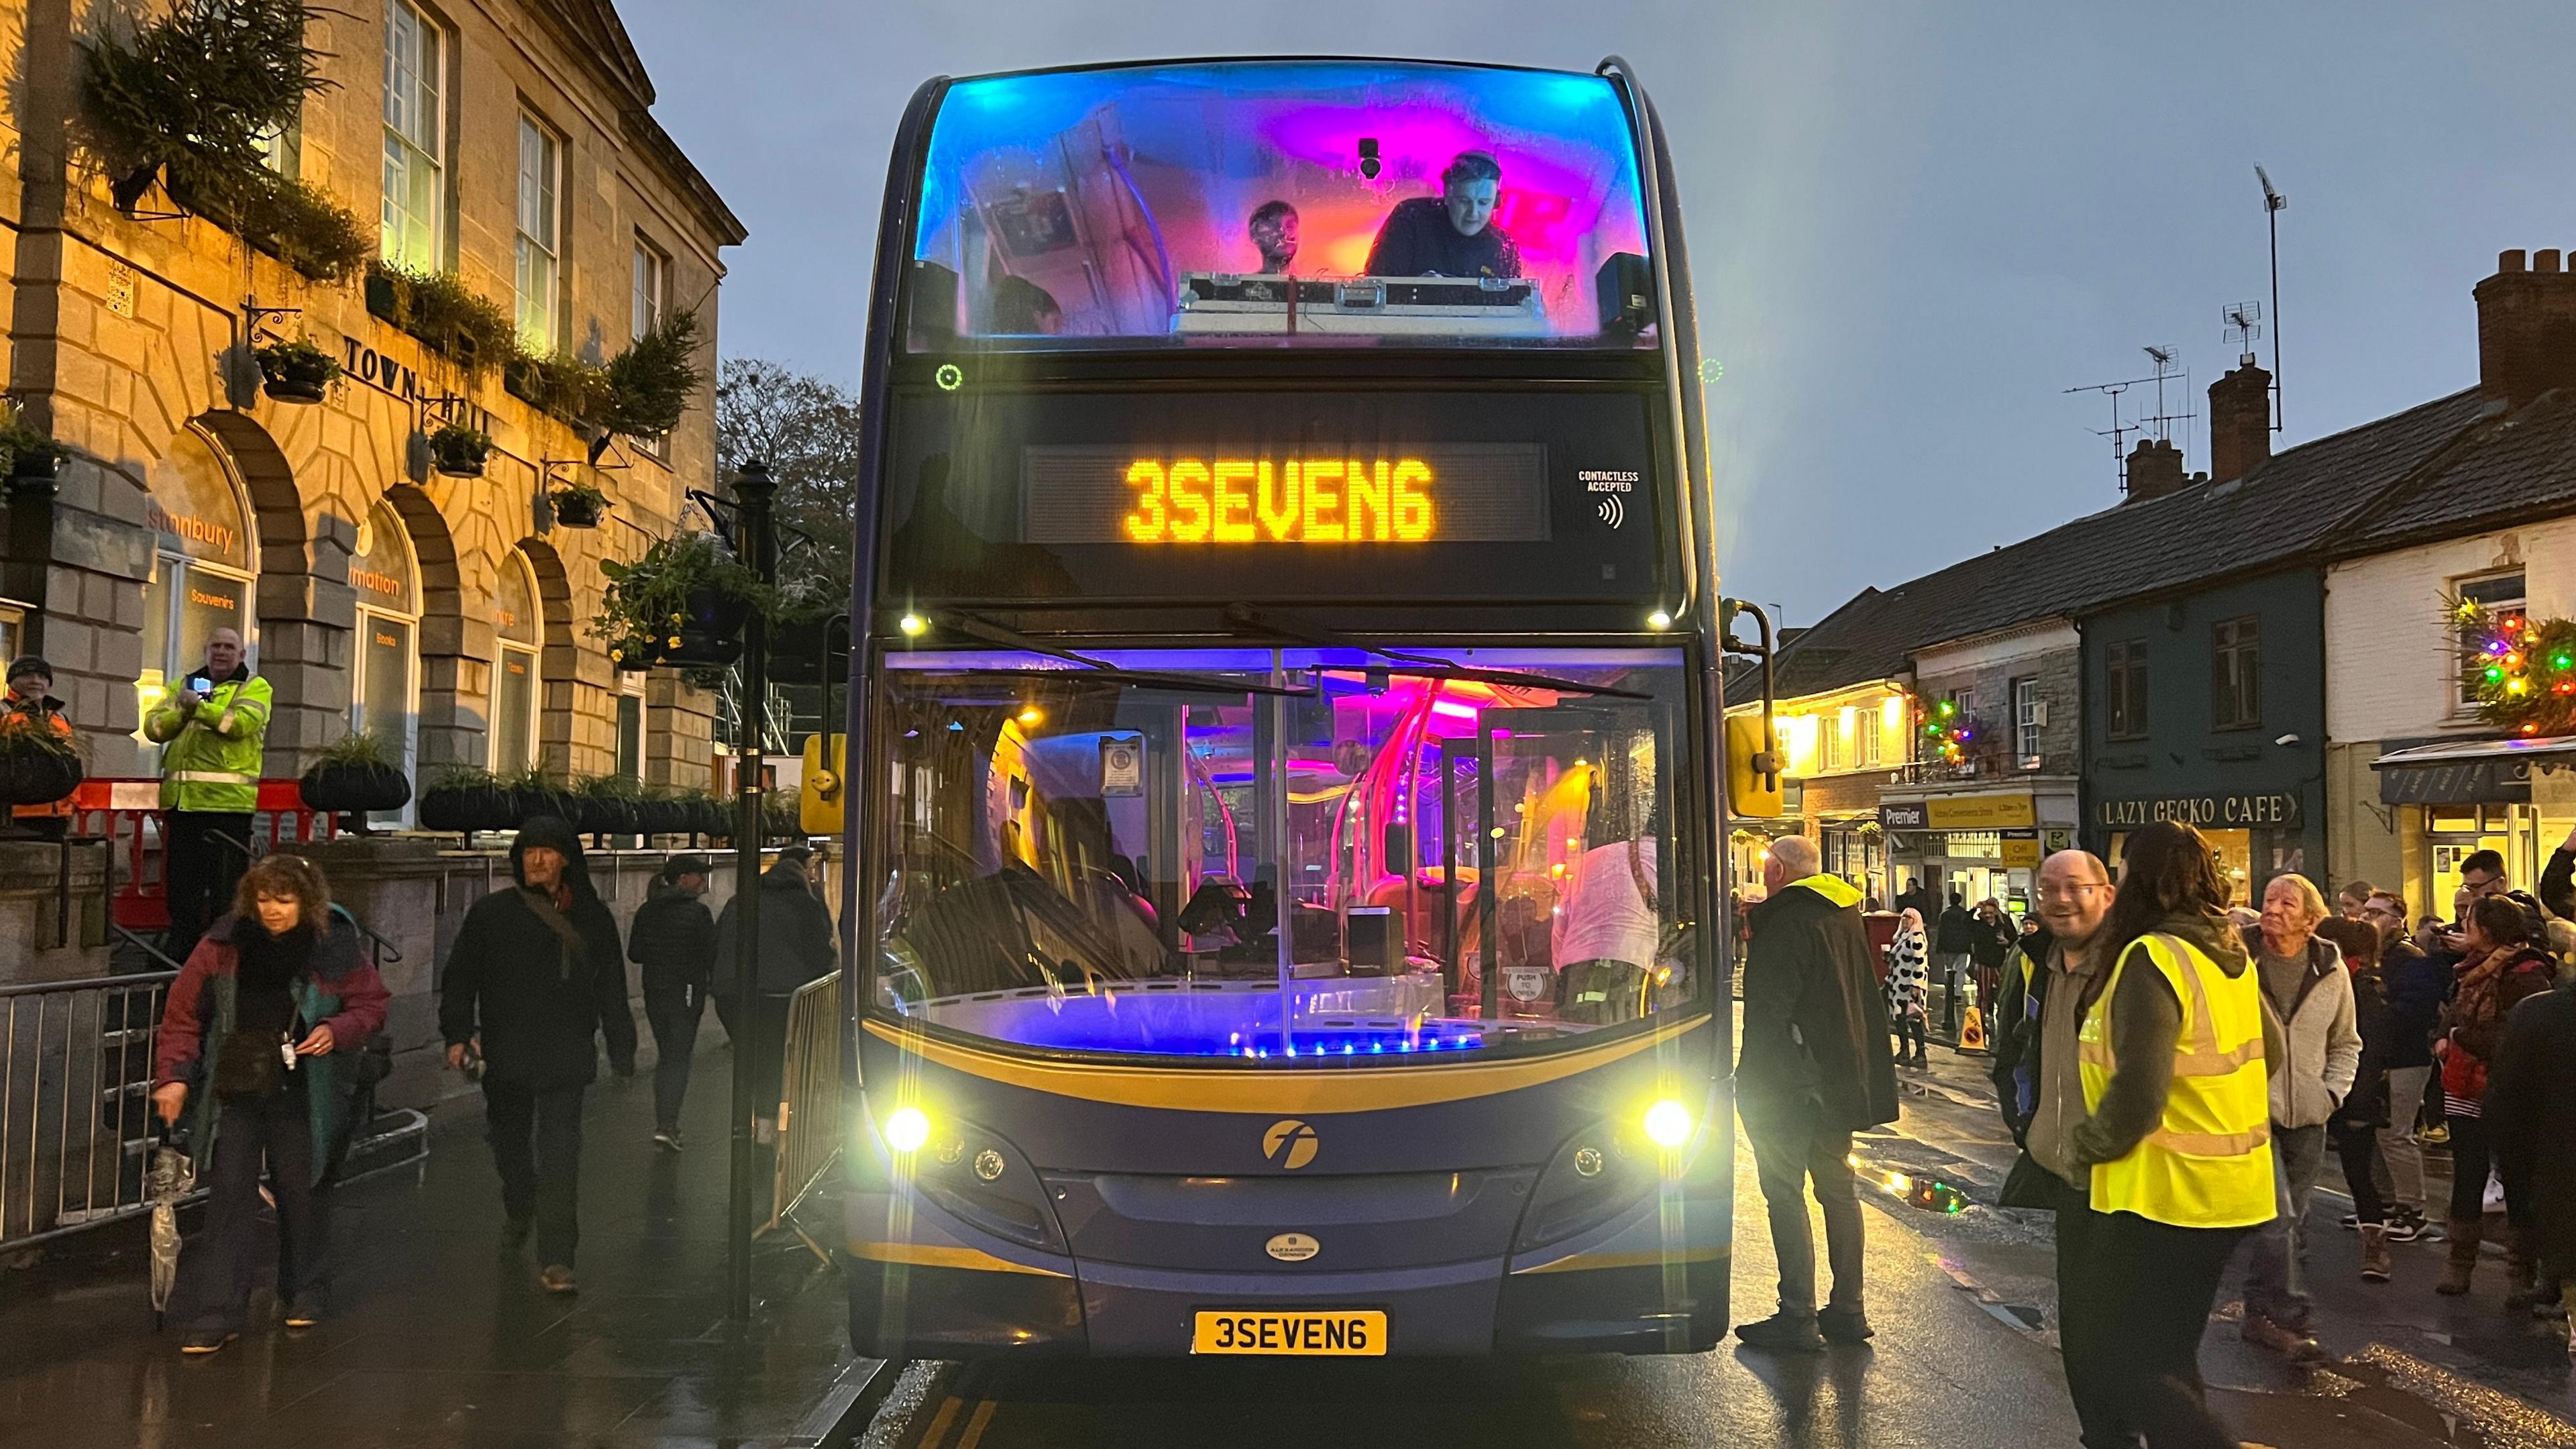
(2175,1147)
(212,728)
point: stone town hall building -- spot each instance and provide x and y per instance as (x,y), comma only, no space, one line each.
(510,143)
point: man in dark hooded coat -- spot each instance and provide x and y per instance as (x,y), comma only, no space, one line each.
(536,975)
(1815,1068)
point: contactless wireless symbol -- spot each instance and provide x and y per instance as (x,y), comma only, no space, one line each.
(1610,511)
(949,376)
(1290,1143)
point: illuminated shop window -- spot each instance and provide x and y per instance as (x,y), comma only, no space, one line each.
(202,570)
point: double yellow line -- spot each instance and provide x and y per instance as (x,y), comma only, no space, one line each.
(936,1436)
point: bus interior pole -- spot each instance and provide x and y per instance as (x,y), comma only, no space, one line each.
(757,547)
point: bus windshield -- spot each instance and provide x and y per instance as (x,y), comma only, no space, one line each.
(1304,856)
(1281,202)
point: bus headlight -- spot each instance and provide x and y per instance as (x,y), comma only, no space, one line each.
(906,1129)
(1668,1124)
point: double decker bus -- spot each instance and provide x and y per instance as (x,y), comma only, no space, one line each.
(1283,778)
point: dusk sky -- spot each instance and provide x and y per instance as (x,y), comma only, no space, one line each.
(1915,225)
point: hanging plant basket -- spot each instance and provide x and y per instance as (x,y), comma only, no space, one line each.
(578,505)
(459,451)
(36,769)
(298,371)
(35,470)
(710,633)
(634,656)
(352,788)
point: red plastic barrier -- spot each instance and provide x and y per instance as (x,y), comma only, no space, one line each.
(129,813)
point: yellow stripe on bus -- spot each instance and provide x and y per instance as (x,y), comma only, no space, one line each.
(934,1255)
(1328,1090)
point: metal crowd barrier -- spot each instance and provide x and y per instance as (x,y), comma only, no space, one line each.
(75,1102)
(809,1109)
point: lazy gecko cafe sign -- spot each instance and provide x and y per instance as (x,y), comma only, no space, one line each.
(2206,812)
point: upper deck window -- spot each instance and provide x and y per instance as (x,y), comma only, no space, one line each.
(1268,202)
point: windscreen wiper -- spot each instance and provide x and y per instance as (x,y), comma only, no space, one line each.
(991,633)
(1424,666)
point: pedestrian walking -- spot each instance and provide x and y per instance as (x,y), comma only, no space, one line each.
(536,977)
(2353,1131)
(2174,1151)
(2354,899)
(1814,1069)
(674,940)
(2414,987)
(2531,1126)
(2310,994)
(212,730)
(1956,935)
(1991,936)
(1909,988)
(795,947)
(2499,970)
(32,706)
(274,999)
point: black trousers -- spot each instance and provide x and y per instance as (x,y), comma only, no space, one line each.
(2133,1297)
(1909,1028)
(199,869)
(2358,1147)
(2470,1164)
(536,1145)
(673,1011)
(1792,1151)
(219,1267)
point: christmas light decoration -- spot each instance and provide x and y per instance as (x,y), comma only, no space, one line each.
(2521,671)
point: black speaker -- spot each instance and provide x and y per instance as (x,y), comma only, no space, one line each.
(1626,293)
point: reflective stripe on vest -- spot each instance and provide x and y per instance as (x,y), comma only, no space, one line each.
(2208,1163)
(211,777)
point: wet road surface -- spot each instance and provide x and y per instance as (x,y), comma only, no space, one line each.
(1965,1310)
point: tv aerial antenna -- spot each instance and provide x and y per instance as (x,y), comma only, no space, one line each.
(2274,203)
(2119,431)
(2168,367)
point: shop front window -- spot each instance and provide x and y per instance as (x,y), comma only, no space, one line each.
(201,569)
(1380,863)
(385,701)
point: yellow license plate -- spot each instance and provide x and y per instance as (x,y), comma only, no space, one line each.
(1359,1333)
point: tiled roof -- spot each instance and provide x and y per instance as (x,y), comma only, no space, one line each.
(2517,464)
(2288,506)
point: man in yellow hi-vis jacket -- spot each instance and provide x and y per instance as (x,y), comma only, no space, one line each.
(212,728)
(2174,1153)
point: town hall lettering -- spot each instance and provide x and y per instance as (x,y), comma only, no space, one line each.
(2203,811)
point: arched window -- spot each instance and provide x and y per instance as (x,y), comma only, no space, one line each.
(516,684)
(202,574)
(385,698)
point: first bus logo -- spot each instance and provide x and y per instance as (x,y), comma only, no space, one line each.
(1290,1143)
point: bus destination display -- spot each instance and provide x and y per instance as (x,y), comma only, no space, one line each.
(1439,493)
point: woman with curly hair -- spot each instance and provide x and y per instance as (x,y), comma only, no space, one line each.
(273,1000)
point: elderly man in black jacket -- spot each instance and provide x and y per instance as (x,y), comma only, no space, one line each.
(536,975)
(1815,1068)
(795,946)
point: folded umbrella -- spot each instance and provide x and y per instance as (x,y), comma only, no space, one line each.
(171,1177)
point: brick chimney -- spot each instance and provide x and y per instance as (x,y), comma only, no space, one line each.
(2526,328)
(2155,469)
(2240,421)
